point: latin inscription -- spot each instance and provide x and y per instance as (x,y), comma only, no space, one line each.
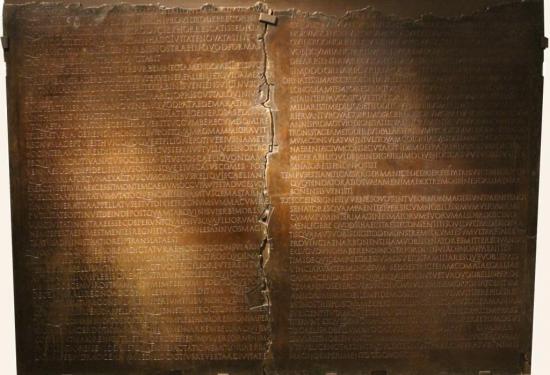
(405,149)
(237,191)
(144,148)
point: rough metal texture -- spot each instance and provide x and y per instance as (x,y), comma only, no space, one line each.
(246,189)
(405,191)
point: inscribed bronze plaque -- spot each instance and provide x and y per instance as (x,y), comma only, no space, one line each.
(274,188)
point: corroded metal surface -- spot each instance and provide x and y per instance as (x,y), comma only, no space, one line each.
(247,189)
(407,9)
(405,192)
(140,137)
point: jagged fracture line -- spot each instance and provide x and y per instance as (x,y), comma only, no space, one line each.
(265,89)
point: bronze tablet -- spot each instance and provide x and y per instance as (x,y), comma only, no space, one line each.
(292,188)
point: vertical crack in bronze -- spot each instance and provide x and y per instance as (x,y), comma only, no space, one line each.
(264,92)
